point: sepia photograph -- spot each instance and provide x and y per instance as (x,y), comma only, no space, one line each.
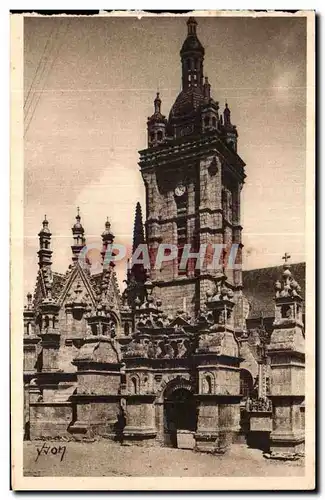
(162,210)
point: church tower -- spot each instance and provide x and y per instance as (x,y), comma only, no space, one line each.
(193,178)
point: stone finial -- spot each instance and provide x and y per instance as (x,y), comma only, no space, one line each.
(44,252)
(226,115)
(287,286)
(138,231)
(77,227)
(107,235)
(206,89)
(221,293)
(29,305)
(157,104)
(79,240)
(191,26)
(45,226)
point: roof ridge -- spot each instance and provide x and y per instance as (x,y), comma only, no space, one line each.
(272,267)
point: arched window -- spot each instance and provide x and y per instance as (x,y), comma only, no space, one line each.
(208,384)
(286,311)
(47,322)
(152,136)
(214,122)
(134,385)
(28,328)
(206,121)
(246,383)
(159,135)
(127,329)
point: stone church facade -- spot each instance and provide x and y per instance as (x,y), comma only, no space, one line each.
(176,359)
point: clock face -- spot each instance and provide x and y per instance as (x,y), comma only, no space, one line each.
(180,190)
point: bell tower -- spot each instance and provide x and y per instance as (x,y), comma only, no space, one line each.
(193,178)
(192,55)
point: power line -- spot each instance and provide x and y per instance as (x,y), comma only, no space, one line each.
(38,66)
(38,83)
(48,73)
(30,108)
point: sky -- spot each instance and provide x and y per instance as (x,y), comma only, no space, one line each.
(89,86)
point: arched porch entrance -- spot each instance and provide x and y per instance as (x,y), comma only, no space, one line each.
(180,417)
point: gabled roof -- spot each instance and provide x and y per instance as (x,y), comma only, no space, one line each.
(258,287)
(77,274)
(103,285)
(58,281)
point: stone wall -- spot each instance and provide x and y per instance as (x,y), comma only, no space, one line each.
(49,420)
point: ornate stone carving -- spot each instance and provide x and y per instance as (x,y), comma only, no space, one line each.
(259,405)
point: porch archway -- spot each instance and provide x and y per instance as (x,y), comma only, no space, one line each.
(180,413)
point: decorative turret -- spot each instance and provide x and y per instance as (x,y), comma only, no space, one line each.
(229,129)
(30,338)
(218,379)
(29,305)
(221,303)
(100,322)
(138,270)
(206,89)
(136,274)
(194,111)
(226,116)
(217,320)
(138,232)
(29,316)
(49,333)
(286,352)
(45,252)
(192,55)
(210,116)
(288,301)
(156,124)
(78,237)
(107,238)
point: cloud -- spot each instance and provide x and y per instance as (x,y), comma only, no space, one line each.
(284,84)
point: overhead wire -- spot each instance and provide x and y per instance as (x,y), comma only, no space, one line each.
(39,84)
(38,66)
(50,67)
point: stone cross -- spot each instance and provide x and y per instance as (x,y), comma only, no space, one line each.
(286,257)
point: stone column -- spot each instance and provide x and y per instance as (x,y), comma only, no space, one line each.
(219,410)
(96,404)
(50,335)
(50,345)
(30,353)
(217,359)
(140,428)
(286,352)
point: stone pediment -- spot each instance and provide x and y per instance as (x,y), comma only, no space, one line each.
(83,292)
(78,289)
(180,322)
